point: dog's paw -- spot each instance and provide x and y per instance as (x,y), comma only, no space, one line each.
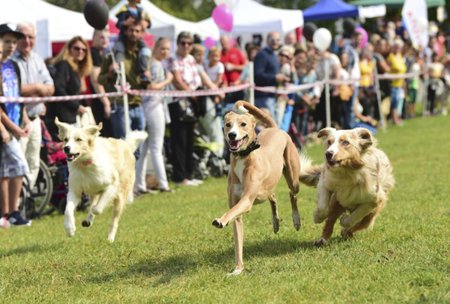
(320,242)
(217,223)
(345,221)
(96,210)
(235,272)
(111,238)
(296,221)
(320,215)
(346,234)
(70,231)
(276,224)
(86,223)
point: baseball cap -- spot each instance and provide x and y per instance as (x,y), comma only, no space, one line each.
(10,28)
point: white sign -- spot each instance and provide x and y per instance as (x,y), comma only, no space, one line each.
(415,18)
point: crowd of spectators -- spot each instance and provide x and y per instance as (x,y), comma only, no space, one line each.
(361,100)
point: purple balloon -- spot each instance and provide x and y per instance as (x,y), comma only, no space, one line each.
(223,17)
(364,36)
(209,42)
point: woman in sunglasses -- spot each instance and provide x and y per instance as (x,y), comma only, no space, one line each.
(70,66)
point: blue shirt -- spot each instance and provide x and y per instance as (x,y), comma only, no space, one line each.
(266,67)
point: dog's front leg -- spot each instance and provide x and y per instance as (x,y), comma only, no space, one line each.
(244,205)
(348,221)
(323,204)
(238,227)
(107,196)
(69,217)
(91,216)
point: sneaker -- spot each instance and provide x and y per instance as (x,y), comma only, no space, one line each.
(17,220)
(187,182)
(166,190)
(4,223)
(197,181)
(140,192)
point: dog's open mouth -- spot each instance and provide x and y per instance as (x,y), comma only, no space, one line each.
(236,144)
(333,163)
(72,156)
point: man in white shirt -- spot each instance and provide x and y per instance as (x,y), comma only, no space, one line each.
(36,81)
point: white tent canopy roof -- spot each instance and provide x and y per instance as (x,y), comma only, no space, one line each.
(63,24)
(166,25)
(250,16)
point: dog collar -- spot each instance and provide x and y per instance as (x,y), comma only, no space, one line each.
(251,147)
(87,162)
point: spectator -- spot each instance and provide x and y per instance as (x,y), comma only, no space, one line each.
(234,62)
(267,73)
(71,65)
(12,115)
(436,86)
(285,57)
(186,78)
(36,81)
(155,111)
(101,107)
(397,67)
(367,94)
(130,15)
(108,77)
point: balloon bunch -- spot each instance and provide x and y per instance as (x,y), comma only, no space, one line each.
(222,14)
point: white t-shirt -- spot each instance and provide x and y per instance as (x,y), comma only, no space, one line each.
(214,71)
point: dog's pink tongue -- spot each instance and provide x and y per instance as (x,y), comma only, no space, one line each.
(234,144)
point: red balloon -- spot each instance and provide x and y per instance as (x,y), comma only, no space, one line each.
(96,13)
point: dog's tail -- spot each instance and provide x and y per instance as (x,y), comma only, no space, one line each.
(309,173)
(242,106)
(134,138)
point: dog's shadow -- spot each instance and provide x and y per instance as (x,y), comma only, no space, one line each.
(167,269)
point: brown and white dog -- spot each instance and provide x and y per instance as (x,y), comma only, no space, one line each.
(103,168)
(353,183)
(256,166)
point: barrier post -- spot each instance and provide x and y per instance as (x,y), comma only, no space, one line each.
(251,91)
(378,94)
(123,83)
(327,93)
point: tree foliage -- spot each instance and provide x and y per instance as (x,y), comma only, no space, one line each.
(193,10)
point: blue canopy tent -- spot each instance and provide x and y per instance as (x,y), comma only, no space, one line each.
(329,10)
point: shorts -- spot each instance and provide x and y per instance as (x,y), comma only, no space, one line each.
(397,96)
(13,162)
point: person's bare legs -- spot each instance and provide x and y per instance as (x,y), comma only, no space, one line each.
(4,193)
(15,185)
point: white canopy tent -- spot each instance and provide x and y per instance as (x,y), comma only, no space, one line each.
(63,23)
(251,17)
(166,25)
(54,24)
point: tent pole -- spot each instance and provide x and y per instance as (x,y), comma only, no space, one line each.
(123,82)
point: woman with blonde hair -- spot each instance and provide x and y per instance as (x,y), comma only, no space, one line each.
(156,118)
(71,65)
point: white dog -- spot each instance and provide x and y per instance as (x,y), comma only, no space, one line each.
(355,179)
(103,168)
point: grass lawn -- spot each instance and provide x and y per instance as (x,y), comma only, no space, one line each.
(167,251)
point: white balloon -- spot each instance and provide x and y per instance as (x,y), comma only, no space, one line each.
(231,4)
(322,39)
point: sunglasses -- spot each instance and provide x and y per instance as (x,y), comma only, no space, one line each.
(79,49)
(285,56)
(185,42)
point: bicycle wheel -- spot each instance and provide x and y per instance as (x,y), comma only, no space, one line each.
(43,188)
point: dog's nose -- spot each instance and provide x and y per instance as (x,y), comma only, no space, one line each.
(329,155)
(66,150)
(232,135)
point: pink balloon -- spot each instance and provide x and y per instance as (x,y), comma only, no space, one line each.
(364,36)
(223,17)
(209,42)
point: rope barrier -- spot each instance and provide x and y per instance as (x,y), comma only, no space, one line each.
(269,89)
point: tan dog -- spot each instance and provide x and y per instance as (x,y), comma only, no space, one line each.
(257,163)
(356,178)
(103,168)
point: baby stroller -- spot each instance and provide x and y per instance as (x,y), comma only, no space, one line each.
(206,162)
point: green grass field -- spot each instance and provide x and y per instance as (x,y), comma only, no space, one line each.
(167,251)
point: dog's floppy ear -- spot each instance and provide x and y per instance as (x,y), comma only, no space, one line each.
(365,138)
(325,132)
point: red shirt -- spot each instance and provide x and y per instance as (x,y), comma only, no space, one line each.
(233,56)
